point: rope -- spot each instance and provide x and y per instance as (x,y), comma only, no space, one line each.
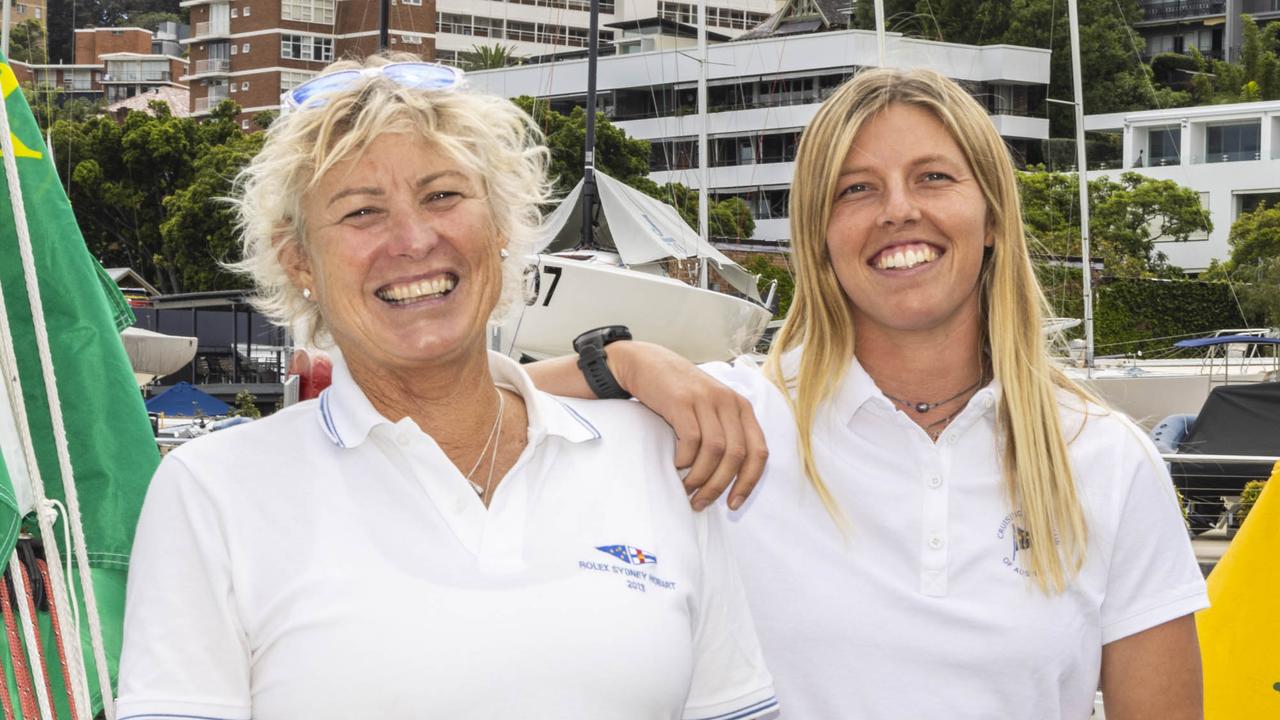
(47,694)
(77,678)
(26,696)
(57,636)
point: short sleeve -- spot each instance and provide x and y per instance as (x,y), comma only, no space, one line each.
(1153,576)
(742,375)
(185,653)
(729,676)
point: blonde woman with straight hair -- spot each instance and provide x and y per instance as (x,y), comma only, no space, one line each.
(947,527)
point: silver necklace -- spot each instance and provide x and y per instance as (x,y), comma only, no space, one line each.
(494,430)
(493,459)
(924,407)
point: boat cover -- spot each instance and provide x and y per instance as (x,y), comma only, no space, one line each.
(185,400)
(1235,420)
(641,229)
(154,354)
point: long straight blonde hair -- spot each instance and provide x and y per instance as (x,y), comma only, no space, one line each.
(1037,472)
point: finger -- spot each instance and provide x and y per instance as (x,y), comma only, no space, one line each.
(735,452)
(684,421)
(757,454)
(710,449)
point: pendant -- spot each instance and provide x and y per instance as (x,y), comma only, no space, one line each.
(923,407)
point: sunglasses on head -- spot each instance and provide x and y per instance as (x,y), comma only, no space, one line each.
(416,75)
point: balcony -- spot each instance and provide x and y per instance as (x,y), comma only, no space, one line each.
(213,65)
(1166,10)
(210,29)
(144,76)
(205,104)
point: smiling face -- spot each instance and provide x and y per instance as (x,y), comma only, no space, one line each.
(908,229)
(401,254)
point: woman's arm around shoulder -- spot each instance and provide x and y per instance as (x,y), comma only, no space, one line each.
(717,435)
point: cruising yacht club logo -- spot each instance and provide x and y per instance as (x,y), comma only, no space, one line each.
(1017,539)
(628,554)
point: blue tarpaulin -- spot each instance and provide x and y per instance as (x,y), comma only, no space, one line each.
(1227,340)
(185,400)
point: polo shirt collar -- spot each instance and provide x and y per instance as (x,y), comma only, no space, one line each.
(857,389)
(347,417)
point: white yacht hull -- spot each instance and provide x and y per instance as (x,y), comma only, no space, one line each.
(568,296)
(1149,393)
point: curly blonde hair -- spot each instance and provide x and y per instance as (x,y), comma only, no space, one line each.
(486,134)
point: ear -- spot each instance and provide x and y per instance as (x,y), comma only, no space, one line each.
(294,259)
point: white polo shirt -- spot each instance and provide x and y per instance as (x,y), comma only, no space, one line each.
(328,563)
(925,611)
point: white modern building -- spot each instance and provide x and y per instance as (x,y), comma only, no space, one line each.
(533,28)
(1230,154)
(761,94)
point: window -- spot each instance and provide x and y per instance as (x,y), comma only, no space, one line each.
(244,86)
(306,47)
(1164,147)
(314,11)
(411,2)
(244,48)
(411,39)
(290,79)
(244,124)
(233,49)
(37,13)
(246,11)
(233,88)
(1233,143)
(235,13)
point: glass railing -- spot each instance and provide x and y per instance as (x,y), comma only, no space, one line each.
(214,65)
(1175,9)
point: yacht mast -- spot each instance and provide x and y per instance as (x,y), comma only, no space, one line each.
(704,229)
(1082,175)
(589,149)
(880,32)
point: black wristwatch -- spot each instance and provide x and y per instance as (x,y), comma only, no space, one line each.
(591,360)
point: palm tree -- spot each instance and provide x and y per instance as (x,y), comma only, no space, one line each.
(489,57)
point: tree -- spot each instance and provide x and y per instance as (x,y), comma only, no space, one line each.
(246,405)
(759,264)
(1117,80)
(489,57)
(120,175)
(1255,236)
(27,42)
(1253,268)
(1255,77)
(49,104)
(1126,217)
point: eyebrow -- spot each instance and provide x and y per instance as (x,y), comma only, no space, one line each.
(922,160)
(375,191)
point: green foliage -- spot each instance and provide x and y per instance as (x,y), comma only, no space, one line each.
(1255,236)
(627,161)
(1117,81)
(244,405)
(489,57)
(49,105)
(1129,312)
(151,19)
(1125,219)
(27,42)
(122,180)
(1254,265)
(1256,76)
(1249,498)
(759,264)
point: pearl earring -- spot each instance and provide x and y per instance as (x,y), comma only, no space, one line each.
(306,293)
(503,254)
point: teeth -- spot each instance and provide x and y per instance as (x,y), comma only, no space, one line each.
(417,290)
(906,258)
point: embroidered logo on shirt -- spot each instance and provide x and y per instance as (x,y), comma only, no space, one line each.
(1018,538)
(628,554)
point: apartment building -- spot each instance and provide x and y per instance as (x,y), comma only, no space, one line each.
(251,51)
(532,28)
(761,93)
(1211,26)
(1229,154)
(25,10)
(111,64)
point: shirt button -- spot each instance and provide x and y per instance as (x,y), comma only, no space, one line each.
(935,481)
(935,542)
(988,401)
(953,438)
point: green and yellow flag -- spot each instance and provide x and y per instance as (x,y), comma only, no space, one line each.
(1240,632)
(112,450)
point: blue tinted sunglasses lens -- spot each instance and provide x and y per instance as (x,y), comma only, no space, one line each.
(423,76)
(310,89)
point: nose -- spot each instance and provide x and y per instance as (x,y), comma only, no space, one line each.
(899,205)
(411,235)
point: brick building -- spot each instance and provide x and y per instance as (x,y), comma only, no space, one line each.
(251,51)
(111,64)
(28,10)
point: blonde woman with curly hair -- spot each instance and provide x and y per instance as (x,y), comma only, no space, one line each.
(947,526)
(432,537)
